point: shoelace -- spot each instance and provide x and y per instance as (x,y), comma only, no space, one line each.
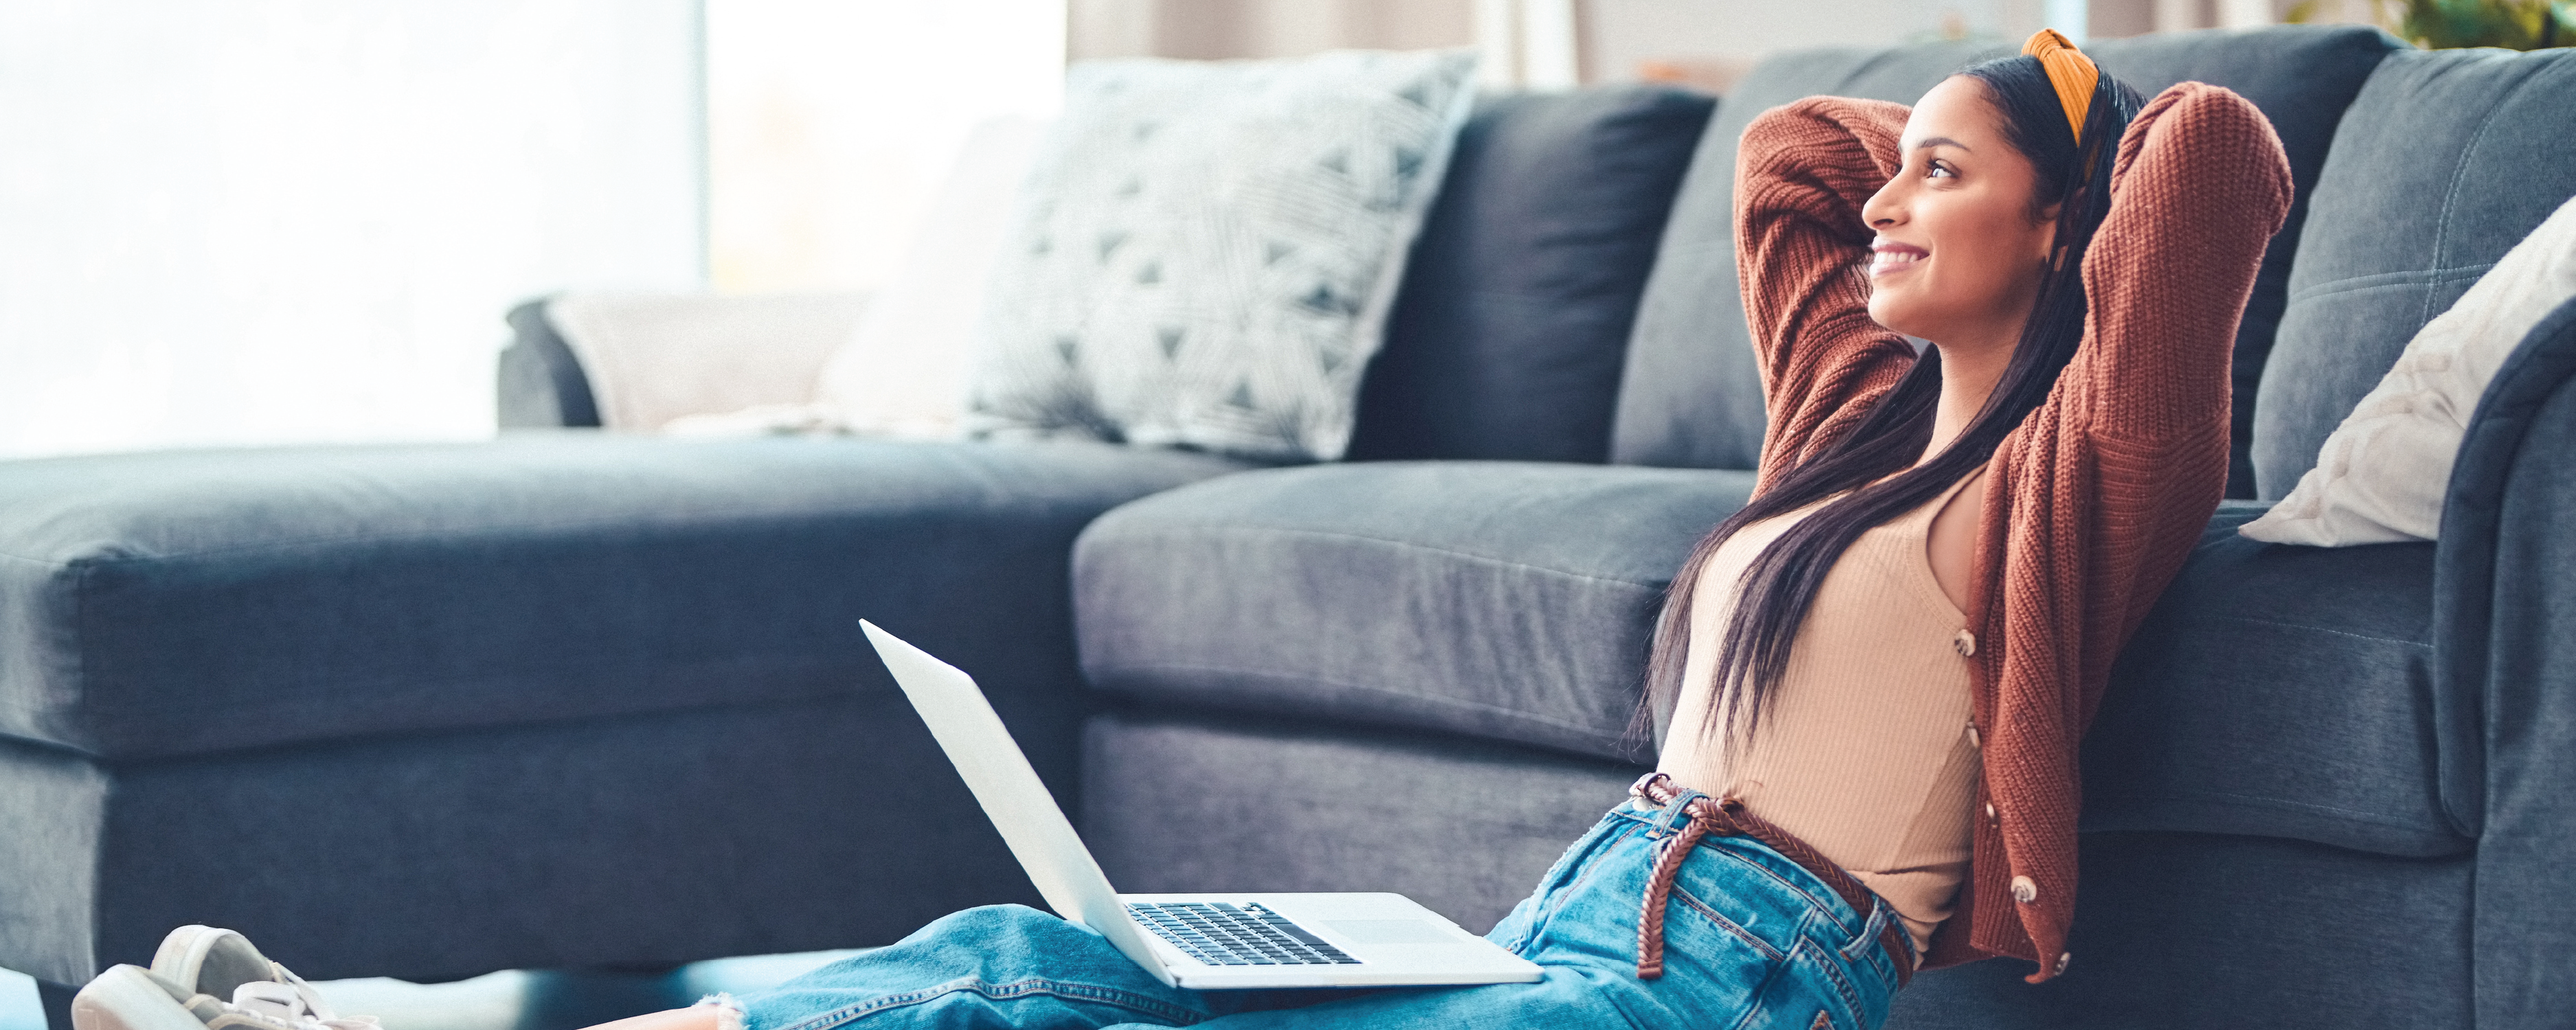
(294,1003)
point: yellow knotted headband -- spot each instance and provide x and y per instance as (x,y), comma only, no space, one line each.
(2069,70)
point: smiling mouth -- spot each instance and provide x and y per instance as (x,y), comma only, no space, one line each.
(1887,256)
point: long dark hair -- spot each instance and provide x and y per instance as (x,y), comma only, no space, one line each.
(1781,583)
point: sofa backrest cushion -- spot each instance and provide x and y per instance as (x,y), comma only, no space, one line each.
(1507,337)
(2447,159)
(1692,396)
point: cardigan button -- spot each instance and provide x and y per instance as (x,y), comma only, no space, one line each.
(1972,736)
(1965,643)
(1991,816)
(2025,890)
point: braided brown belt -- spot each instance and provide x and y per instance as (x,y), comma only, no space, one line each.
(1728,818)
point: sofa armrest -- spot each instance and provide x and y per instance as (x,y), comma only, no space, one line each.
(2505,674)
(541,382)
(639,360)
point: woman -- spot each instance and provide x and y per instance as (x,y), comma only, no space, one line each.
(1882,664)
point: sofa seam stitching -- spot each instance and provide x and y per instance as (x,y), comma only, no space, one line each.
(2257,800)
(2259,621)
(1338,685)
(479,534)
(2425,277)
(2451,196)
(547,670)
(1217,530)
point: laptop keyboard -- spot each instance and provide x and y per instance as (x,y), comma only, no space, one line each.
(1230,935)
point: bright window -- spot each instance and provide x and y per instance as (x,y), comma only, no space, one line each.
(832,123)
(256,221)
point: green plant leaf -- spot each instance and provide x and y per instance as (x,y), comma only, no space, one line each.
(2512,24)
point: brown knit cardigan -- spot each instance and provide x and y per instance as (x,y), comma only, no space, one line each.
(2094,501)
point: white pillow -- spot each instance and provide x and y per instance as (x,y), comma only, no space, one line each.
(660,360)
(1207,250)
(899,368)
(2383,473)
(903,372)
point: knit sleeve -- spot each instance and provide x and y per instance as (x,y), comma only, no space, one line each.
(2128,456)
(1802,174)
(2199,187)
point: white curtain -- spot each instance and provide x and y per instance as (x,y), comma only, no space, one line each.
(261,221)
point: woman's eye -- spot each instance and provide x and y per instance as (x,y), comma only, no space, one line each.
(1938,170)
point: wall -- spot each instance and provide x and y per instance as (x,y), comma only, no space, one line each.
(832,124)
(1707,43)
(1712,42)
(1261,28)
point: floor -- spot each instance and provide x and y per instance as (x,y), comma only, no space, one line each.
(510,1000)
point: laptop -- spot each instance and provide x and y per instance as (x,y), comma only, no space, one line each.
(1202,941)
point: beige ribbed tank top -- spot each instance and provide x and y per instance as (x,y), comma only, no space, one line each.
(1865,752)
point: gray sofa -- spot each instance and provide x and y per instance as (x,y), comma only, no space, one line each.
(2327,787)
(572,699)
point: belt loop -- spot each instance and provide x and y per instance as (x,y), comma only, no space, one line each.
(1867,938)
(1661,826)
(1673,812)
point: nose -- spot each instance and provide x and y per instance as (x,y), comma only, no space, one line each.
(1884,208)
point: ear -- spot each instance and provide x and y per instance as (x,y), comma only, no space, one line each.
(2045,237)
(2049,224)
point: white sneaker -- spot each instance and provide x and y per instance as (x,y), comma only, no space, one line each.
(207,960)
(196,968)
(131,998)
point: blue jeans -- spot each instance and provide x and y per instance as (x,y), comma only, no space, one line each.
(1751,941)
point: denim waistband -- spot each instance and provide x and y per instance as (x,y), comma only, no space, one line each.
(1862,926)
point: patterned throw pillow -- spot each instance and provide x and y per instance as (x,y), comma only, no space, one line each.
(1206,252)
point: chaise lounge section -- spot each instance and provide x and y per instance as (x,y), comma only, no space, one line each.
(564,700)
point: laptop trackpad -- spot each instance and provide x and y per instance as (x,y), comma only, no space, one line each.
(1392,931)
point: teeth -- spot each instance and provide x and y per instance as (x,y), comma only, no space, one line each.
(1884,260)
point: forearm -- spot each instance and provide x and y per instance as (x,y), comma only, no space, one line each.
(2200,186)
(1805,171)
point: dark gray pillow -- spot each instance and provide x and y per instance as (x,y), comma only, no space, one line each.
(1693,397)
(1509,333)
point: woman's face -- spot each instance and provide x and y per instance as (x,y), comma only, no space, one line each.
(1959,254)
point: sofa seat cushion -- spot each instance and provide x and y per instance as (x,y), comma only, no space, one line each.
(1475,823)
(2275,690)
(1502,600)
(2279,691)
(165,604)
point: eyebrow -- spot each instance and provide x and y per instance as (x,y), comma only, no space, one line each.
(1943,141)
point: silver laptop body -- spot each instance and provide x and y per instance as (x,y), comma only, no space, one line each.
(1204,941)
